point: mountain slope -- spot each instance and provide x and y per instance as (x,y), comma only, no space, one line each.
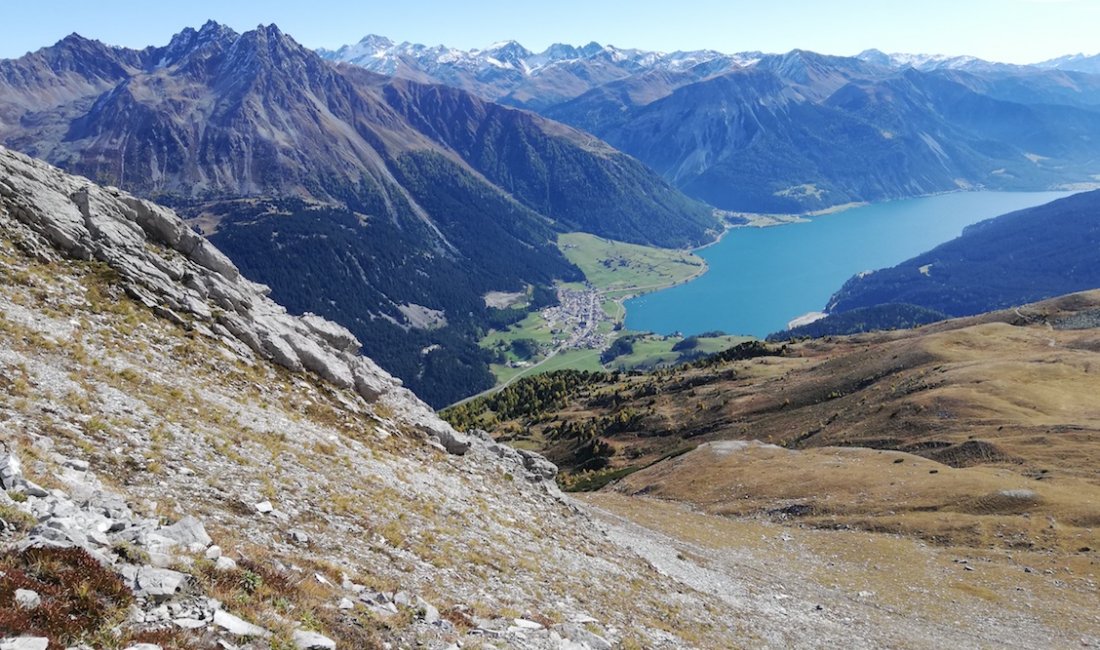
(1077,62)
(230,466)
(801,131)
(1003,262)
(429,197)
(975,436)
(794,132)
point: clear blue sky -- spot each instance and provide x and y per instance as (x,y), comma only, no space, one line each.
(1016,31)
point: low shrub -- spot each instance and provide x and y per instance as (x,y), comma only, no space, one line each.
(80,598)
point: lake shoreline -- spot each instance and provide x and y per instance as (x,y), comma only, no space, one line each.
(770,275)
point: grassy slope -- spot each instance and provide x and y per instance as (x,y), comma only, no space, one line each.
(914,432)
(614,267)
(652,350)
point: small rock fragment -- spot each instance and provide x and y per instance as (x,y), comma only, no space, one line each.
(305,640)
(427,611)
(225,564)
(27,599)
(238,626)
(158,584)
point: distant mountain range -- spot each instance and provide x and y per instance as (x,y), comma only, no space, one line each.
(1076,62)
(511,74)
(794,132)
(388,205)
(1010,260)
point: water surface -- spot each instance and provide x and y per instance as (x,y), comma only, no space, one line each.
(761,278)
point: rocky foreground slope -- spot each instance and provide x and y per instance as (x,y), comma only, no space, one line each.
(246,478)
(184,465)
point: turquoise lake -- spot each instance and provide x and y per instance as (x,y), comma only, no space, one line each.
(761,278)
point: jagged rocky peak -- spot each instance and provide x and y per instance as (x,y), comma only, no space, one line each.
(210,36)
(267,40)
(183,278)
(73,57)
(509,52)
(368,46)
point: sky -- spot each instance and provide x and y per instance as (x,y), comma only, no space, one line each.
(1011,31)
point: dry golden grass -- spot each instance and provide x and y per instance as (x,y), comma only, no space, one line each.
(979,412)
(924,585)
(980,507)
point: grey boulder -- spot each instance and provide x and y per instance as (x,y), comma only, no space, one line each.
(305,640)
(188,532)
(238,626)
(158,584)
(27,599)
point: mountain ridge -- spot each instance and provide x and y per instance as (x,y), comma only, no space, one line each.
(510,73)
(1007,261)
(418,187)
(807,137)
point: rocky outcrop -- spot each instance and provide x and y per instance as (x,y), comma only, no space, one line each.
(88,516)
(175,272)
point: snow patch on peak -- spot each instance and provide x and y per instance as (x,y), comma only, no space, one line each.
(380,54)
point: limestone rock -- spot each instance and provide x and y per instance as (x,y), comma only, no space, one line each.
(427,611)
(158,584)
(336,335)
(305,640)
(538,466)
(581,636)
(188,532)
(10,471)
(224,563)
(24,643)
(27,599)
(33,489)
(238,626)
